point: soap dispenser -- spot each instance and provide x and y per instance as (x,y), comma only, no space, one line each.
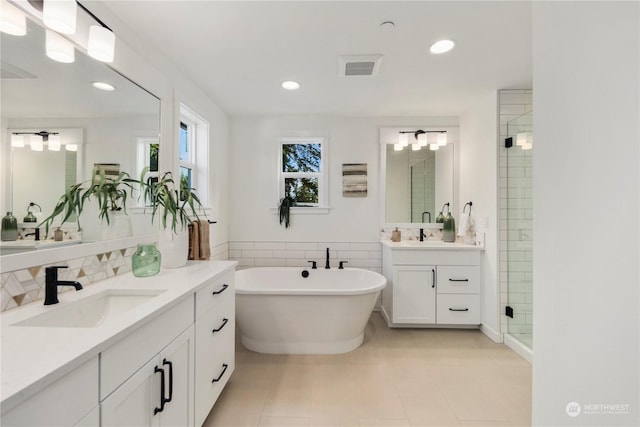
(395,235)
(449,228)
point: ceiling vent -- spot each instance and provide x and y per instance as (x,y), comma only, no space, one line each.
(360,65)
(8,71)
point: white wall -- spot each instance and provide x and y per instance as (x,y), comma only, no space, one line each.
(253,177)
(478,183)
(586,210)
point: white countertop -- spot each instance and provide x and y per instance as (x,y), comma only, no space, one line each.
(438,245)
(33,357)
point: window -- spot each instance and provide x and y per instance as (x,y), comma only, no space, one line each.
(193,153)
(303,171)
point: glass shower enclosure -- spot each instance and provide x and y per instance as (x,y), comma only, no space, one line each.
(519,219)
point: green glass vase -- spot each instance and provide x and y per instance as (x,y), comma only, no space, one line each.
(9,228)
(449,229)
(145,261)
(440,218)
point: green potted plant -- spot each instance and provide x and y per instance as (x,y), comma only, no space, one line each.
(284,209)
(176,208)
(109,192)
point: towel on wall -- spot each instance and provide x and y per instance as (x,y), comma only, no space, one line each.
(467,224)
(199,240)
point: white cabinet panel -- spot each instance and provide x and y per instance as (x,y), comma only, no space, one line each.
(459,309)
(414,295)
(458,279)
(63,403)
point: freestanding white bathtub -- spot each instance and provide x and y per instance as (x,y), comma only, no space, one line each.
(280,311)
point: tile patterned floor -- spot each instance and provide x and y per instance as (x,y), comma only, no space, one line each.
(398,377)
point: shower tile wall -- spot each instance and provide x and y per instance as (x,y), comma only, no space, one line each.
(516,203)
(423,184)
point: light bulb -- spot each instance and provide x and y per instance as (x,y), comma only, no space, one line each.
(60,15)
(58,48)
(422,140)
(12,20)
(54,142)
(17,140)
(35,141)
(397,147)
(403,139)
(442,139)
(415,147)
(434,147)
(102,43)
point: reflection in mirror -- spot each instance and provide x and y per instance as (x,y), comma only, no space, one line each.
(41,94)
(417,183)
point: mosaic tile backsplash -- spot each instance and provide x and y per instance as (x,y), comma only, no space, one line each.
(21,287)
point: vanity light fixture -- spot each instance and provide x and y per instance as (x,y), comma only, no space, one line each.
(102,43)
(442,46)
(12,20)
(36,140)
(290,85)
(60,15)
(103,86)
(432,138)
(58,48)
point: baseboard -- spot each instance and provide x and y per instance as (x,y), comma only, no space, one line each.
(494,335)
(515,345)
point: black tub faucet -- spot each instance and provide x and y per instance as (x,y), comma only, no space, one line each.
(326,265)
(52,283)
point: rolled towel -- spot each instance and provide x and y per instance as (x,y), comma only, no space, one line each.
(464,224)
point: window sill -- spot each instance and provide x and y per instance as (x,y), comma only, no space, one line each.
(305,211)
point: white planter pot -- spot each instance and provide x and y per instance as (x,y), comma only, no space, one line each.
(174,247)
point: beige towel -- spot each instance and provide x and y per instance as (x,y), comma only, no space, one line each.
(194,240)
(205,251)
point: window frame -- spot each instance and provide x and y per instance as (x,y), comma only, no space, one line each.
(322,175)
(198,149)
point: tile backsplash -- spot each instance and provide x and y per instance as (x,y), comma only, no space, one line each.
(21,287)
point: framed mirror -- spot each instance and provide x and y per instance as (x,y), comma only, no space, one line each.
(40,94)
(416,183)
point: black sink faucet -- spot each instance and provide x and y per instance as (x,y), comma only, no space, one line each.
(428,213)
(422,235)
(326,265)
(35,234)
(52,283)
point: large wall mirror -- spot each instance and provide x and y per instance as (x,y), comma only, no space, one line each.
(417,183)
(40,94)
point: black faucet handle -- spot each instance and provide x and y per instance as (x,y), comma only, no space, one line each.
(341,266)
(314,265)
(51,272)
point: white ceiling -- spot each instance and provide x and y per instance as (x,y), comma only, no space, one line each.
(239,52)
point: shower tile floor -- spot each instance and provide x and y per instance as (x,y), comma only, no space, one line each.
(398,377)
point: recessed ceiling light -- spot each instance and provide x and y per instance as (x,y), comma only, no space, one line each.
(442,46)
(103,86)
(290,85)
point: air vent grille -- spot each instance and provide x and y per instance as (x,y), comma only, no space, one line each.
(360,65)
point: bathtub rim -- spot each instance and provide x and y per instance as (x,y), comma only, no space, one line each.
(381,283)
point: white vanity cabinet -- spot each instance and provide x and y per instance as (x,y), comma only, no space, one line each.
(70,401)
(215,342)
(158,390)
(431,286)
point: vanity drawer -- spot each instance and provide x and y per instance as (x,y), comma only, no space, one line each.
(214,358)
(458,279)
(459,309)
(217,295)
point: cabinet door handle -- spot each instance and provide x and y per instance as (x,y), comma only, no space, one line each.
(166,362)
(224,323)
(224,369)
(224,288)
(458,280)
(458,309)
(433,277)
(162,401)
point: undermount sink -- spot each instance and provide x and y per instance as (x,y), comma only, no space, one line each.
(426,243)
(93,310)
